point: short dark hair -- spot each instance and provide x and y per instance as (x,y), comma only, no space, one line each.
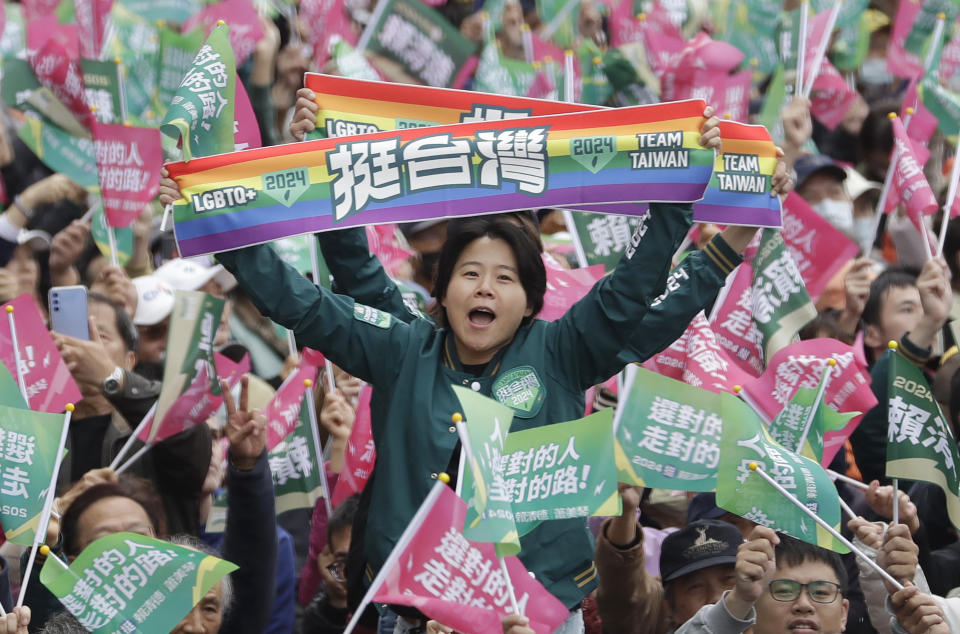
(530,269)
(342,516)
(893,277)
(139,491)
(794,552)
(128,332)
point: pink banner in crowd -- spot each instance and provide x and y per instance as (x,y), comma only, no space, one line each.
(361,454)
(910,186)
(326,19)
(733,323)
(91,18)
(830,96)
(33,9)
(801,365)
(460,583)
(128,164)
(818,248)
(566,287)
(697,359)
(240,16)
(283,410)
(246,130)
(58,69)
(50,386)
(901,62)
(922,123)
(383,243)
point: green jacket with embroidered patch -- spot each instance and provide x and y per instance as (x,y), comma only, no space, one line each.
(412,365)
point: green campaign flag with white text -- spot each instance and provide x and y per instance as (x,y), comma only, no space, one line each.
(602,238)
(126,582)
(559,471)
(201,113)
(745,493)
(668,433)
(920,444)
(28,450)
(788,426)
(177,52)
(487,423)
(294,464)
(101,88)
(781,304)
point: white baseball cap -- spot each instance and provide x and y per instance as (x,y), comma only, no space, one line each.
(154,300)
(187,274)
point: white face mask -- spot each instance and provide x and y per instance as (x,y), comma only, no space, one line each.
(863,232)
(839,213)
(874,71)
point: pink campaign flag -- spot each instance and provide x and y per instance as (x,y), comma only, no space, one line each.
(48,27)
(697,359)
(326,19)
(566,287)
(240,16)
(910,186)
(729,94)
(626,26)
(197,403)
(830,96)
(458,582)
(801,365)
(383,243)
(283,410)
(361,453)
(901,62)
(246,130)
(733,323)
(58,68)
(541,86)
(50,386)
(91,16)
(33,9)
(128,164)
(922,123)
(818,248)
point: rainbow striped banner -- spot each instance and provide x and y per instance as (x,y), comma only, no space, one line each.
(650,153)
(738,192)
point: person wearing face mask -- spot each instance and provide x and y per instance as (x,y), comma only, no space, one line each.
(820,182)
(865,194)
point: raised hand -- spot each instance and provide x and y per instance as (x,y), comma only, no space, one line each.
(305,115)
(246,430)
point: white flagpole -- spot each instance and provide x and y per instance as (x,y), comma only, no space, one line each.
(527,36)
(569,79)
(742,393)
(136,456)
(824,382)
(408,534)
(16,356)
(934,40)
(317,448)
(822,47)
(839,476)
(40,535)
(133,437)
(167,209)
(846,508)
(830,529)
(112,242)
(802,47)
(885,190)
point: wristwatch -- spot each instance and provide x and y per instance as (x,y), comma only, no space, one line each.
(114,382)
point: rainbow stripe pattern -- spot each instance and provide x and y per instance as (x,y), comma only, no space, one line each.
(642,153)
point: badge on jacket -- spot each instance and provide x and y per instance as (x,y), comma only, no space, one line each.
(521,390)
(371,316)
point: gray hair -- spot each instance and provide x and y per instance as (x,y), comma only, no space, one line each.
(63,623)
(226,583)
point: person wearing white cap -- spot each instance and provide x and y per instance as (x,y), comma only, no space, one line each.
(154,305)
(195,274)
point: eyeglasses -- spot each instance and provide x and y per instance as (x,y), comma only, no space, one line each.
(336,571)
(818,591)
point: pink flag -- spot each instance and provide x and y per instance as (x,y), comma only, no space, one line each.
(34,9)
(50,386)
(384,244)
(901,62)
(361,453)
(326,19)
(818,248)
(801,365)
(698,359)
(58,69)
(197,403)
(458,582)
(45,28)
(950,59)
(246,130)
(128,164)
(733,323)
(283,410)
(91,18)
(314,358)
(922,123)
(240,16)
(566,287)
(541,86)
(830,96)
(910,186)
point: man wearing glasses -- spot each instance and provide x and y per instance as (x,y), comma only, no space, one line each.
(783,585)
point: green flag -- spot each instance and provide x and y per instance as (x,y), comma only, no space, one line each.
(789,425)
(28,450)
(487,424)
(135,40)
(176,57)
(201,113)
(559,471)
(175,11)
(125,582)
(773,103)
(294,464)
(918,40)
(942,103)
(10,390)
(101,86)
(744,492)
(920,445)
(781,304)
(13,38)
(123,235)
(596,85)
(601,238)
(789,43)
(60,151)
(747,25)
(851,44)
(668,433)
(502,75)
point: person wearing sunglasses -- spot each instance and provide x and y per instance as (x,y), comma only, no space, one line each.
(783,586)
